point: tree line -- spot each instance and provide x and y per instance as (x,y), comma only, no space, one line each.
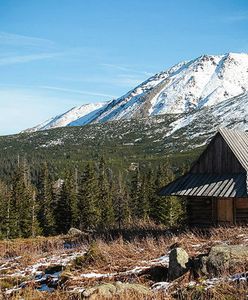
(92,198)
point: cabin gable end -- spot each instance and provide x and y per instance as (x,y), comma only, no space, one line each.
(217,158)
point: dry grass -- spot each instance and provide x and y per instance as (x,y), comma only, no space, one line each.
(120,255)
(36,246)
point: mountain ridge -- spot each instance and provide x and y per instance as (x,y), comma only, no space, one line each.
(185,87)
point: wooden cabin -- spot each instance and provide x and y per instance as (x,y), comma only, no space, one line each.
(217,183)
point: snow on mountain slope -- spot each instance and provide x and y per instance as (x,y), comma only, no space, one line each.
(71,117)
(204,81)
(231,113)
(188,86)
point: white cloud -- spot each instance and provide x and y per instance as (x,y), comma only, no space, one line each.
(126,69)
(77,91)
(120,80)
(10,60)
(23,40)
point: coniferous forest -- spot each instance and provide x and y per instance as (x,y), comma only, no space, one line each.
(93,197)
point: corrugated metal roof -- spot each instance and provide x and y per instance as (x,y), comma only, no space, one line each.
(238,143)
(207,185)
(214,185)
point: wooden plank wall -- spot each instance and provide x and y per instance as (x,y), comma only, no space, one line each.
(241,208)
(217,159)
(201,211)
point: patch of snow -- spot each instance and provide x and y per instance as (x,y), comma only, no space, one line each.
(163,285)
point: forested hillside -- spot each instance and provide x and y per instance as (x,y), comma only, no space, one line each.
(91,177)
(93,197)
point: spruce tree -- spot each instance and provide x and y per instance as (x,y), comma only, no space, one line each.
(45,201)
(63,210)
(72,183)
(121,203)
(21,205)
(88,197)
(135,192)
(143,203)
(166,210)
(105,197)
(4,210)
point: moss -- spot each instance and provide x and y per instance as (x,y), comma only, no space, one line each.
(92,256)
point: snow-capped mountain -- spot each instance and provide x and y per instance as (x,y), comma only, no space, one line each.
(231,113)
(186,87)
(76,116)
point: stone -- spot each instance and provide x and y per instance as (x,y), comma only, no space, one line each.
(224,258)
(74,232)
(199,266)
(105,290)
(108,290)
(178,263)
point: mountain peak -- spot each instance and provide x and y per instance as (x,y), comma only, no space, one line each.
(185,87)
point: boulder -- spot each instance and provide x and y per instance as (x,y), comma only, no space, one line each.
(108,290)
(229,258)
(178,263)
(74,232)
(199,266)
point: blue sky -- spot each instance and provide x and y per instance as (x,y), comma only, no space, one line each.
(56,54)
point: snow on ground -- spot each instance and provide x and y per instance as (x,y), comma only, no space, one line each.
(160,261)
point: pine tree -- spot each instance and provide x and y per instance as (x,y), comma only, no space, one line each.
(166,210)
(105,197)
(121,203)
(35,229)
(135,192)
(72,184)
(88,199)
(4,210)
(158,204)
(143,203)
(21,214)
(45,201)
(63,209)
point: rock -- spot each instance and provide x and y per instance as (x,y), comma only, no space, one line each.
(108,290)
(178,263)
(105,290)
(134,288)
(199,266)
(224,258)
(74,232)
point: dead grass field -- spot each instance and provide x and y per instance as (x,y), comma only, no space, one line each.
(118,256)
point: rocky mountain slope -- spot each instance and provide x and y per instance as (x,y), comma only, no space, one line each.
(185,88)
(128,141)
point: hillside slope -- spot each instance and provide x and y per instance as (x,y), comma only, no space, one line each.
(124,142)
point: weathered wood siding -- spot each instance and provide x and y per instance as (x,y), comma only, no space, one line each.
(218,159)
(201,211)
(241,210)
